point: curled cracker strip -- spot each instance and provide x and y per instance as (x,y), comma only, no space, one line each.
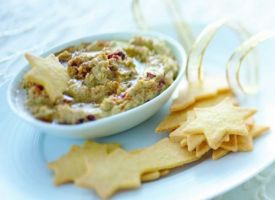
(235,62)
(138,16)
(197,52)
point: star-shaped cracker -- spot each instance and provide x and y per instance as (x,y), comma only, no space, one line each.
(190,140)
(258,130)
(197,143)
(122,170)
(194,140)
(218,121)
(244,143)
(72,165)
(254,132)
(202,149)
(115,172)
(198,90)
(219,153)
(178,135)
(49,73)
(175,119)
(232,144)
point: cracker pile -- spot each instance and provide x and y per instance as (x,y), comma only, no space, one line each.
(211,122)
(201,120)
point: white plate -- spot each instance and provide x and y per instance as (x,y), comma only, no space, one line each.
(24,155)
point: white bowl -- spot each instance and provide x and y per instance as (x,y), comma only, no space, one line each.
(109,125)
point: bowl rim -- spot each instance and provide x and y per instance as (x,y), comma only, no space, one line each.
(173,44)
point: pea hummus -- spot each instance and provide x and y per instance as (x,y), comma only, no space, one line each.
(94,80)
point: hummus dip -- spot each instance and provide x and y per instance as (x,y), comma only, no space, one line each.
(104,78)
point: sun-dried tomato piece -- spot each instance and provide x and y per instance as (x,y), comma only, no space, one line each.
(117,55)
(150,75)
(91,118)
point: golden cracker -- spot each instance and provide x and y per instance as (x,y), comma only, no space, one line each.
(202,149)
(196,91)
(49,73)
(72,165)
(219,153)
(216,122)
(255,131)
(175,119)
(125,169)
(183,142)
(231,145)
(194,140)
(150,176)
(258,130)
